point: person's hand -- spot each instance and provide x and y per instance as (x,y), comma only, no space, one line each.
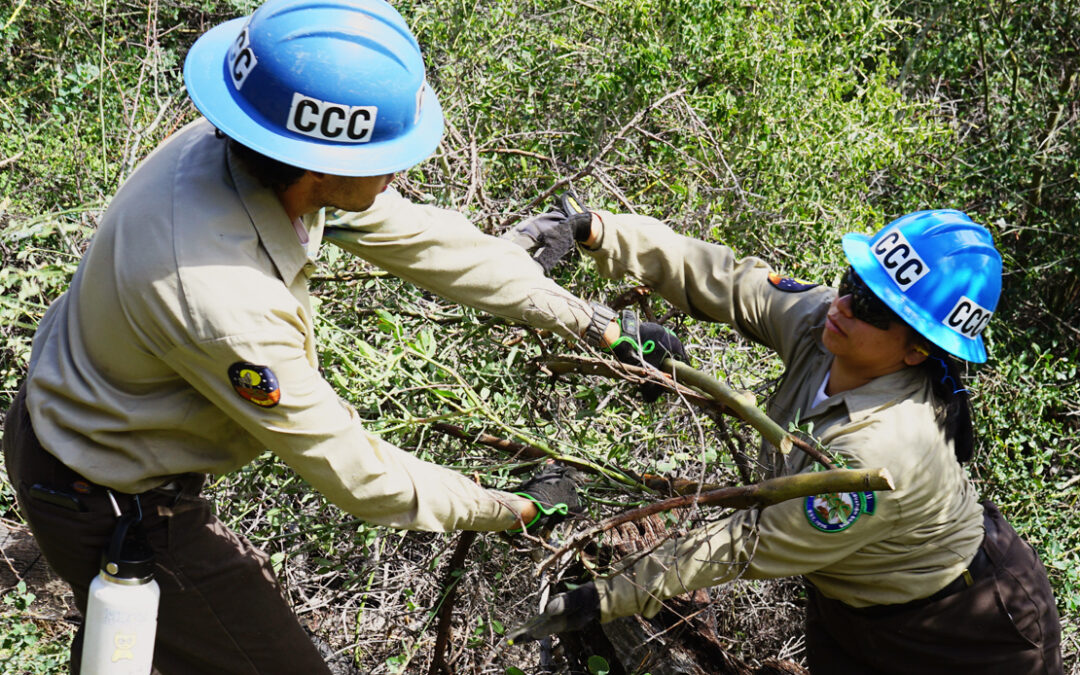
(646,344)
(554,493)
(549,236)
(565,612)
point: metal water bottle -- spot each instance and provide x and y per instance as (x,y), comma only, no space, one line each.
(121,610)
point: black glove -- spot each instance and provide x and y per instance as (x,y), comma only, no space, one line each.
(565,612)
(550,236)
(646,344)
(554,492)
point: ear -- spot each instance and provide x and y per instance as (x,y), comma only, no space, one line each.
(916,354)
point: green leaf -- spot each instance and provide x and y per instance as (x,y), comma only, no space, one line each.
(598,665)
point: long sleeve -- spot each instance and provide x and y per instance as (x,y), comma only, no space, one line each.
(441,251)
(707,280)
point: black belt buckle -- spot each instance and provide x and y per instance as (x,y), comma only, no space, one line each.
(65,500)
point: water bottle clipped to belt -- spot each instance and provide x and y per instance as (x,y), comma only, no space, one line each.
(121,612)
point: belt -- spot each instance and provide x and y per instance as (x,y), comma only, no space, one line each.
(978,568)
(186,483)
(70,497)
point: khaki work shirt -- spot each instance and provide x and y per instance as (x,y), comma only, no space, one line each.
(190,313)
(862,548)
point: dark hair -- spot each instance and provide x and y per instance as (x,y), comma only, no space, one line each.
(952,402)
(269,172)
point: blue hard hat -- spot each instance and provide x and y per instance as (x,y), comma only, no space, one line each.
(335,86)
(939,271)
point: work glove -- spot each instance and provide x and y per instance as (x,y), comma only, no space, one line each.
(565,612)
(554,492)
(646,344)
(549,236)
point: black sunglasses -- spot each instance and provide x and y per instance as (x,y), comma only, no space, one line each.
(864,304)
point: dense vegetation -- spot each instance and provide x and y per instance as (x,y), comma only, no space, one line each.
(774,127)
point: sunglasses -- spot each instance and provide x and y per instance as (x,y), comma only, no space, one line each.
(864,304)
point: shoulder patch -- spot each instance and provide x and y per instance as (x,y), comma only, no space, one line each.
(834,512)
(257,384)
(789,285)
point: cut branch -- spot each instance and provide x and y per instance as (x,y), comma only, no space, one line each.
(759,495)
(536,452)
(745,406)
(618,370)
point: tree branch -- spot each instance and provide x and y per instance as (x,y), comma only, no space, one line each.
(745,406)
(661,484)
(454,573)
(720,397)
(759,495)
(562,182)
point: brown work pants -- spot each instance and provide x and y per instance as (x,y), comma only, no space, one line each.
(1006,623)
(221,608)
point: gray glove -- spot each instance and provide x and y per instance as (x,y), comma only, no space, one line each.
(554,492)
(565,612)
(644,343)
(549,236)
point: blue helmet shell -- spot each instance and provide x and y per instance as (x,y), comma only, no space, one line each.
(335,86)
(939,271)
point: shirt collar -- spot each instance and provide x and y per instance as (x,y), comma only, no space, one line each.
(273,225)
(880,392)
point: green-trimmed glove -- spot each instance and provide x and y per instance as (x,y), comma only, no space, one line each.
(554,492)
(646,344)
(565,612)
(549,236)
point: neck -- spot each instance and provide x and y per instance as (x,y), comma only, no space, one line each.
(844,377)
(298,199)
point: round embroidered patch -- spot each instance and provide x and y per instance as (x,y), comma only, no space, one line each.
(834,512)
(257,384)
(789,285)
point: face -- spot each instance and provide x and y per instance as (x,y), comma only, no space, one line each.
(865,348)
(350,193)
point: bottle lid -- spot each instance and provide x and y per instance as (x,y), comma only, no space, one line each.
(129,556)
(135,562)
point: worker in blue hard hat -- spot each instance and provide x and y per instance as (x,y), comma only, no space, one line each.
(920,579)
(185,345)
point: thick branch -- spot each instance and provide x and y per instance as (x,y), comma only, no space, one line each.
(744,405)
(765,493)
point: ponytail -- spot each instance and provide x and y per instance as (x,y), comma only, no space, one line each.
(952,402)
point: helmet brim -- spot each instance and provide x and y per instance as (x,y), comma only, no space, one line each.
(206,81)
(857,249)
